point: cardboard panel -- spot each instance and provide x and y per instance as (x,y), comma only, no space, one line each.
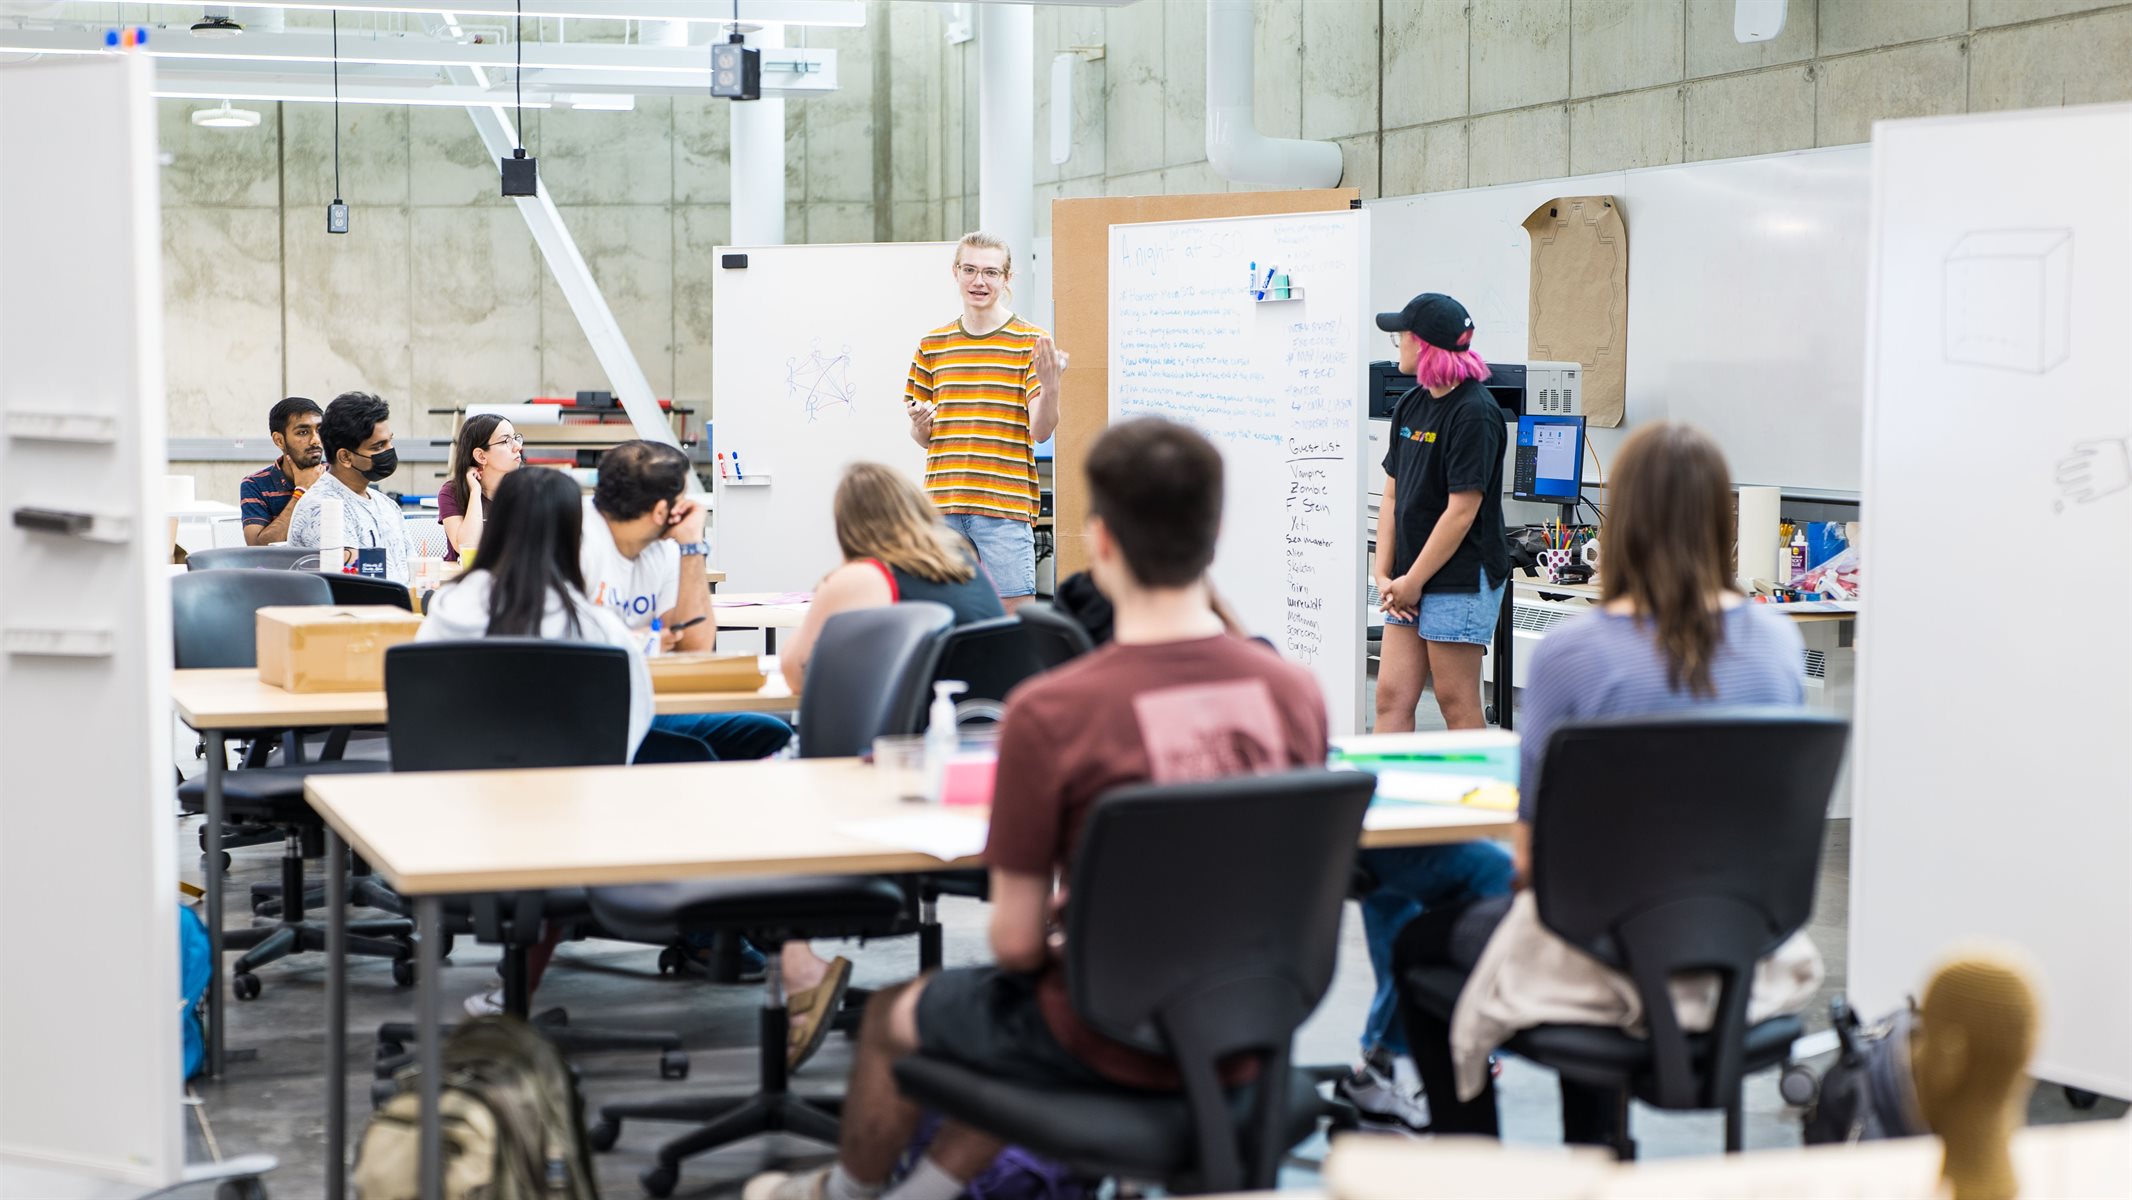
(1080,293)
(1580,297)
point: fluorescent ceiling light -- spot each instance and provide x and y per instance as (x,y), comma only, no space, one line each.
(850,14)
(298,98)
(226,117)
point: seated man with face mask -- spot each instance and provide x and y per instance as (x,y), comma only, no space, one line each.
(359,454)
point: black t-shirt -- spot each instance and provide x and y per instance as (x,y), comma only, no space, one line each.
(1441,446)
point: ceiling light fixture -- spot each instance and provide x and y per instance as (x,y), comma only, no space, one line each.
(225,117)
(336,212)
(521,175)
(216,25)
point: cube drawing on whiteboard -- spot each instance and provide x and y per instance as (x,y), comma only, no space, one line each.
(2009,299)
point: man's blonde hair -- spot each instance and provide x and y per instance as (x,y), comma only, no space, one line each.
(978,239)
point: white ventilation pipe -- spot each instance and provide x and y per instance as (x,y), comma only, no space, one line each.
(1006,125)
(758,160)
(1236,150)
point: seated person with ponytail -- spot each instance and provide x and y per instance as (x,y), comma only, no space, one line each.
(1672,632)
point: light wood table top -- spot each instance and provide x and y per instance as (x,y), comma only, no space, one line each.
(746,610)
(594,826)
(236,698)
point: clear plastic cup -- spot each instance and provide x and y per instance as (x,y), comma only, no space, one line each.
(900,759)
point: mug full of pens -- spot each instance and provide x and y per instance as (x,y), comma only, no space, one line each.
(1553,562)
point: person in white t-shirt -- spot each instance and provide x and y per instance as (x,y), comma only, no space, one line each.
(526,583)
(357,436)
(643,558)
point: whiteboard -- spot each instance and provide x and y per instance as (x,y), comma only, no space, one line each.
(89,1057)
(1275,386)
(814,345)
(1993,767)
(1746,297)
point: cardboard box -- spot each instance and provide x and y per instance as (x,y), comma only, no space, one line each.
(707,673)
(330,647)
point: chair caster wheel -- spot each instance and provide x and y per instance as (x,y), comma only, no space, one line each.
(673,1064)
(387,1051)
(403,972)
(660,1180)
(1798,1085)
(382,1090)
(2080,1099)
(225,861)
(670,960)
(245,986)
(603,1135)
(240,1189)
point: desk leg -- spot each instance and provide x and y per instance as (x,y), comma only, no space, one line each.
(336,1016)
(769,640)
(1506,688)
(429,932)
(217,763)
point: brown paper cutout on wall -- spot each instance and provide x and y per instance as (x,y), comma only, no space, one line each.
(1580,297)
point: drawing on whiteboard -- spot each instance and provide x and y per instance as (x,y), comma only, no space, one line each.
(2009,299)
(2095,468)
(820,381)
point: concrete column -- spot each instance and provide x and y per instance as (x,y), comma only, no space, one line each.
(758,160)
(1006,131)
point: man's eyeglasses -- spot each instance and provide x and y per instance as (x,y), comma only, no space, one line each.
(509,439)
(972,271)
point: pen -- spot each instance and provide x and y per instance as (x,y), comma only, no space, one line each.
(737,472)
(1253,278)
(721,464)
(691,621)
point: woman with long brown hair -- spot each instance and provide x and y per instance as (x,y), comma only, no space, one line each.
(487,449)
(1671,632)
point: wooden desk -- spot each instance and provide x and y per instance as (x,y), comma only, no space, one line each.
(745,610)
(218,703)
(470,831)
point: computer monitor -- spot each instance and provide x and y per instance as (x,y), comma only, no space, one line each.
(1549,464)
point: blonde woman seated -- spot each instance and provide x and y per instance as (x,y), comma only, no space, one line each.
(896,548)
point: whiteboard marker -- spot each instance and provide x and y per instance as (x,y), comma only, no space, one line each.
(737,472)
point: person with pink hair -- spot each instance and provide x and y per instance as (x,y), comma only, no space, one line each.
(1443,559)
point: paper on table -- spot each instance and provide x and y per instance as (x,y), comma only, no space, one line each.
(1424,816)
(942,835)
(764,601)
(1424,787)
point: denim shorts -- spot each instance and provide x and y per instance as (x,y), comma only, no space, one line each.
(1006,548)
(1457,616)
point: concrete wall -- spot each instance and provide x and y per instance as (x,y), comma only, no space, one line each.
(438,297)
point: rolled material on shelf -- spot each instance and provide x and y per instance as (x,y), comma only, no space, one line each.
(1759,537)
(520,414)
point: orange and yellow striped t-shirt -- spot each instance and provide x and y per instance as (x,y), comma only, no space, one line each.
(981,462)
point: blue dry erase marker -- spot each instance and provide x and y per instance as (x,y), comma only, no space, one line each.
(737,472)
(1268,283)
(1254,276)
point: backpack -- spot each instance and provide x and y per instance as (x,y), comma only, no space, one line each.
(1867,1093)
(194,961)
(514,1126)
(1016,1174)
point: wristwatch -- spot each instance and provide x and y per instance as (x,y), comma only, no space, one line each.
(697,549)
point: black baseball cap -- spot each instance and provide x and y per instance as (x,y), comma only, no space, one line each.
(1434,318)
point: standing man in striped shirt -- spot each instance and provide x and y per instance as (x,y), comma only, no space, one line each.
(982,392)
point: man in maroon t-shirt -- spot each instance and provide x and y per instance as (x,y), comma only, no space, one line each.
(1174,697)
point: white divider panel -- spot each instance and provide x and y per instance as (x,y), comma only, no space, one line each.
(1277,384)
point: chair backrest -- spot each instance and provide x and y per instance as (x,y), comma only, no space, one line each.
(496,703)
(212,622)
(870,674)
(991,657)
(1054,637)
(1204,923)
(273,558)
(1687,842)
(360,589)
(426,535)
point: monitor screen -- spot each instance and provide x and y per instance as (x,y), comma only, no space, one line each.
(1550,459)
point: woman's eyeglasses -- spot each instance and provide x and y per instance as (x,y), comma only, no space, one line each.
(971,271)
(1396,336)
(509,439)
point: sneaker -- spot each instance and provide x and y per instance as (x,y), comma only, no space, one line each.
(485,1004)
(777,1185)
(1380,1102)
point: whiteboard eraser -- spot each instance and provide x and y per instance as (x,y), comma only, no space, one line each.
(733,262)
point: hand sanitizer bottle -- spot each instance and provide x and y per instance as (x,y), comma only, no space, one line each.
(654,644)
(941,738)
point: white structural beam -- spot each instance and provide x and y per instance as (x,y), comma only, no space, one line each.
(847,13)
(758,162)
(1006,131)
(631,387)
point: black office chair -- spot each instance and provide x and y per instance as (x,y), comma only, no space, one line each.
(213,624)
(273,558)
(542,703)
(1202,958)
(1054,637)
(360,589)
(1656,853)
(870,674)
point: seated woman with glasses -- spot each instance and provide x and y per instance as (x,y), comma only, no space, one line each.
(486,450)
(1672,632)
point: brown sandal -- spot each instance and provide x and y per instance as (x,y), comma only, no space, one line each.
(818,1005)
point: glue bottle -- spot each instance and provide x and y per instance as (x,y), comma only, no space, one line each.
(1798,553)
(941,738)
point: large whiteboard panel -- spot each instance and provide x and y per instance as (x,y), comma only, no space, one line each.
(1276,387)
(803,384)
(1746,297)
(1993,762)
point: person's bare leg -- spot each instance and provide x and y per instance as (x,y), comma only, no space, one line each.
(1401,672)
(1013,603)
(878,1120)
(802,968)
(964,1152)
(1456,669)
